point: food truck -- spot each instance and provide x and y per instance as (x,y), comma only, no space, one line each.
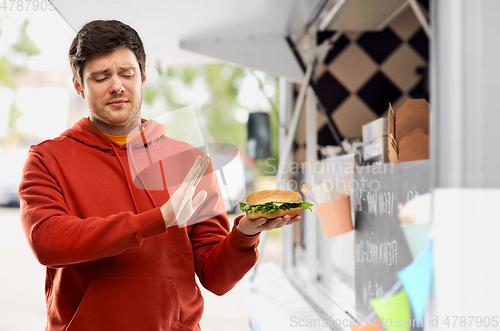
(415,82)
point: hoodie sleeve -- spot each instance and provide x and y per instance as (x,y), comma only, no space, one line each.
(58,238)
(222,256)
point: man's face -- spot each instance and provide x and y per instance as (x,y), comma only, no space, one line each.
(112,89)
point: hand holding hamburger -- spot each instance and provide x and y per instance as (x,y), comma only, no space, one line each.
(271,209)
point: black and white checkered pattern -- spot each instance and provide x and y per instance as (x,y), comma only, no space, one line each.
(365,71)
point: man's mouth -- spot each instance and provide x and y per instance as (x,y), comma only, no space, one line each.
(117,103)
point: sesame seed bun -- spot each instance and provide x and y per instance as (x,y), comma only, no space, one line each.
(265,196)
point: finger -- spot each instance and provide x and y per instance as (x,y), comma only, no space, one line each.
(188,190)
(259,221)
(271,223)
(284,222)
(280,225)
(188,195)
(294,220)
(195,180)
(197,170)
(199,199)
(203,168)
(194,169)
(291,222)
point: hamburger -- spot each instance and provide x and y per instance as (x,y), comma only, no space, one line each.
(274,203)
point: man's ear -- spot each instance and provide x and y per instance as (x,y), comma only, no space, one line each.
(78,88)
(143,78)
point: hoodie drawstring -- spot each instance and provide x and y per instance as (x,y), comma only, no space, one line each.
(140,179)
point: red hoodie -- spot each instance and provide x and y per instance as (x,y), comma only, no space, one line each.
(111,263)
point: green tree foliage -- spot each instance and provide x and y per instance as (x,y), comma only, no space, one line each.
(6,70)
(222,84)
(24,44)
(222,81)
(14,114)
(12,63)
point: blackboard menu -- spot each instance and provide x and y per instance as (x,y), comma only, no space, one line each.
(380,246)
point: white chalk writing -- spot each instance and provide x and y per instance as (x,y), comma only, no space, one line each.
(385,252)
(380,203)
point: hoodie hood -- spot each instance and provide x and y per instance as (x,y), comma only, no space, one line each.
(86,133)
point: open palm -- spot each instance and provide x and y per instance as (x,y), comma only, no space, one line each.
(182,204)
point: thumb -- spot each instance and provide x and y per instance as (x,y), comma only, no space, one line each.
(198,199)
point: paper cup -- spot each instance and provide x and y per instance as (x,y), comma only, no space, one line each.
(416,236)
(335,216)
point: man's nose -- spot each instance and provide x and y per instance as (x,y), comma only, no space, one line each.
(116,85)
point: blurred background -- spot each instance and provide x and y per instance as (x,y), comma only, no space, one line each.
(37,102)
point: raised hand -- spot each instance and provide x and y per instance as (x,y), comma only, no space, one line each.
(182,205)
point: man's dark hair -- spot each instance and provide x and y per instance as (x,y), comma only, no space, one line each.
(101,37)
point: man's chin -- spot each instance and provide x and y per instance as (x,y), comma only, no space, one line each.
(117,119)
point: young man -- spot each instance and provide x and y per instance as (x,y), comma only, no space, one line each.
(119,254)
